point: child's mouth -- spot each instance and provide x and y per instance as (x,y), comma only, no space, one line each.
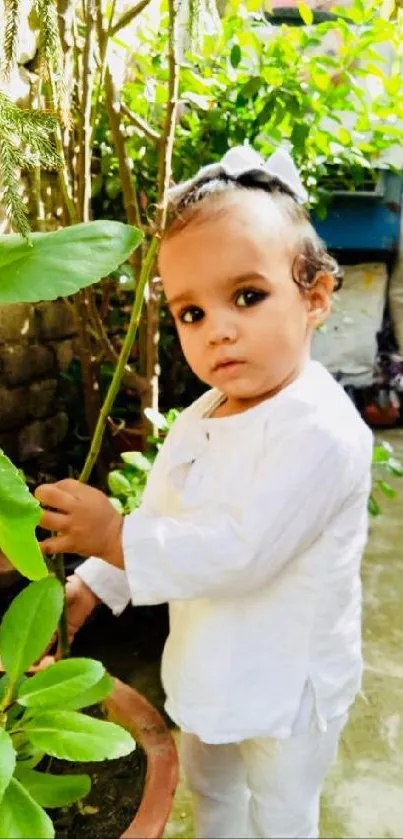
(228,366)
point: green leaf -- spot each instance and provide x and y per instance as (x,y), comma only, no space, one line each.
(54,790)
(72,736)
(60,683)
(387,489)
(344,136)
(373,506)
(380,454)
(97,693)
(29,625)
(62,262)
(250,89)
(20,513)
(7,761)
(306,13)
(395,467)
(21,817)
(118,483)
(236,55)
(136,459)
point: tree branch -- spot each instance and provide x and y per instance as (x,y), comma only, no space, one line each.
(141,124)
(168,135)
(128,16)
(164,177)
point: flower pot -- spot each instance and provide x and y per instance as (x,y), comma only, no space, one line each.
(130,709)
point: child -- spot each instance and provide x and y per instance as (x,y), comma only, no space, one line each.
(254,519)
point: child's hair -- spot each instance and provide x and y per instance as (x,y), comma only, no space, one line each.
(204,196)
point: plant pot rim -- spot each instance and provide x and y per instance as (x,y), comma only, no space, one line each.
(132,710)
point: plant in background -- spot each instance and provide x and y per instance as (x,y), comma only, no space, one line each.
(128,483)
(384,465)
(41,717)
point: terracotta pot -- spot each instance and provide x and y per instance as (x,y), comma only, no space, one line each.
(129,708)
(378,417)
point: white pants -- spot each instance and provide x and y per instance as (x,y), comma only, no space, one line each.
(260,788)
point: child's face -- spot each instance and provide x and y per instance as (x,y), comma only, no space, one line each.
(243,323)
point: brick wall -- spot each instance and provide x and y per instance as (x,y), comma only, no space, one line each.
(36,345)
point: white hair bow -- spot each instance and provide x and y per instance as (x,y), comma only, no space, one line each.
(243,160)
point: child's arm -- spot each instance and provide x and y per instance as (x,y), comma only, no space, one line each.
(233,550)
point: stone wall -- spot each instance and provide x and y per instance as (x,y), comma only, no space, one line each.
(36,345)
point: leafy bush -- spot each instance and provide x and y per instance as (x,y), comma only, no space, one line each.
(128,483)
(40,715)
(384,465)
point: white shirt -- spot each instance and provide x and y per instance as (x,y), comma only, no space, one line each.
(253,526)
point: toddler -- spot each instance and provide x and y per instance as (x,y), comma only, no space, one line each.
(254,519)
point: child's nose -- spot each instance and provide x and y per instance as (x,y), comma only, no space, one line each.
(222,331)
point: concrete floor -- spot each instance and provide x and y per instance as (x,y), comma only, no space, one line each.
(364,793)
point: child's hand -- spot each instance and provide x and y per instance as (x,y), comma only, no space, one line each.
(85,521)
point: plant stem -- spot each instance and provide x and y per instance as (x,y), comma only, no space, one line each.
(60,574)
(114,386)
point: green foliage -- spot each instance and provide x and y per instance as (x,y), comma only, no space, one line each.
(60,263)
(21,816)
(27,136)
(127,484)
(26,142)
(11,22)
(19,516)
(38,717)
(7,761)
(385,465)
(28,626)
(50,47)
(265,85)
(60,683)
(54,790)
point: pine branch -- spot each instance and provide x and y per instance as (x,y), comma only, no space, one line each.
(25,143)
(10,36)
(10,194)
(51,50)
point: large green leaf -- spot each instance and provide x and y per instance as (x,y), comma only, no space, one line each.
(29,624)
(7,761)
(60,683)
(92,696)
(59,263)
(21,817)
(54,790)
(72,736)
(19,515)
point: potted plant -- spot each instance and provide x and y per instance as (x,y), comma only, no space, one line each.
(40,714)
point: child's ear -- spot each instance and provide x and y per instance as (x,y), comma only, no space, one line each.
(320,298)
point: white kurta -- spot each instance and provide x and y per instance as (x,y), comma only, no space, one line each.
(252,527)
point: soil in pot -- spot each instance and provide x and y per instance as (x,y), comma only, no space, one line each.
(115,796)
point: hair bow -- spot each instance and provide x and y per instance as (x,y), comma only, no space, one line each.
(243,160)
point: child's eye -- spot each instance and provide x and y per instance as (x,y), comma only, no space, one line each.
(249,297)
(191,315)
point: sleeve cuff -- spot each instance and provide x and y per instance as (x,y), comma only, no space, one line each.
(108,583)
